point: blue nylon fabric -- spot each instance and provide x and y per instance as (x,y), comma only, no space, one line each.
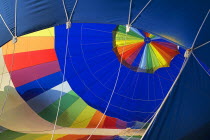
(202,54)
(177,20)
(92,70)
(204,34)
(185,115)
(37,87)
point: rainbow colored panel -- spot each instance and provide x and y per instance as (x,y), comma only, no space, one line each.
(142,51)
(37,77)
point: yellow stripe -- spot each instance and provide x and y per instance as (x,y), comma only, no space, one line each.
(45,32)
(30,136)
(161,60)
(172,39)
(84,118)
(120,43)
(39,40)
(122,36)
(48,137)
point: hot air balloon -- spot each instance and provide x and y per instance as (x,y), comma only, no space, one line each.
(41,91)
(104,64)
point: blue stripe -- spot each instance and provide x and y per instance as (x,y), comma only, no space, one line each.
(32,89)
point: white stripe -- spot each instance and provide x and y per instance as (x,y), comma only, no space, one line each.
(45,99)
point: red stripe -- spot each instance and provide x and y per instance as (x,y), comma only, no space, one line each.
(133,56)
(128,53)
(146,34)
(28,59)
(167,53)
(167,44)
(110,123)
(84,137)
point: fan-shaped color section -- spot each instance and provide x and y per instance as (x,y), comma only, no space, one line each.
(142,51)
(37,77)
(21,136)
(92,69)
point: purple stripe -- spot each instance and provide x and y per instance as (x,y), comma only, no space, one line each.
(121,124)
(167,44)
(26,75)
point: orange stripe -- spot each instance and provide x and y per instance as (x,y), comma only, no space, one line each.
(101,137)
(127,54)
(84,137)
(95,119)
(122,49)
(26,44)
(72,137)
(147,34)
(165,52)
(27,59)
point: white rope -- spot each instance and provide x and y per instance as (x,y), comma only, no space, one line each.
(129,15)
(141,12)
(202,45)
(72,12)
(6,25)
(128,26)
(200,64)
(200,29)
(12,63)
(68,19)
(64,73)
(64,7)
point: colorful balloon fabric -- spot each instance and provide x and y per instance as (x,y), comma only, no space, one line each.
(127,87)
(37,77)
(22,136)
(142,51)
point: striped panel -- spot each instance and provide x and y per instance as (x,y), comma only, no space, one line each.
(34,88)
(28,44)
(128,47)
(36,73)
(95,119)
(33,73)
(84,118)
(49,97)
(28,59)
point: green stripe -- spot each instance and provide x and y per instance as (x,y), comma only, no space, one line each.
(122,29)
(48,113)
(30,136)
(121,36)
(149,58)
(10,135)
(71,114)
(155,61)
(67,100)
